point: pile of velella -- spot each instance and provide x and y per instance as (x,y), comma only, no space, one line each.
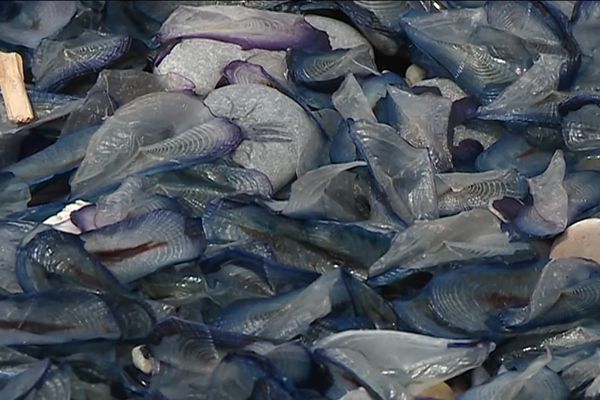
(236,200)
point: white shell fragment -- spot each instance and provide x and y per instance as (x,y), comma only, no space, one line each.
(62,220)
(140,361)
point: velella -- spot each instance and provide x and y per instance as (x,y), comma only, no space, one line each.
(42,318)
(29,24)
(429,244)
(519,385)
(246,27)
(112,143)
(163,238)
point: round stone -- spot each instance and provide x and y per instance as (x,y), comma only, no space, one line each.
(414,74)
(441,391)
(581,239)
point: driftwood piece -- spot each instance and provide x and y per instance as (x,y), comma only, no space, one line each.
(12,83)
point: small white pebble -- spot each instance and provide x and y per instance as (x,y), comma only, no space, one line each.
(62,220)
(579,240)
(414,74)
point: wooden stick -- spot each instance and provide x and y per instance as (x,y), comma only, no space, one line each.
(16,101)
